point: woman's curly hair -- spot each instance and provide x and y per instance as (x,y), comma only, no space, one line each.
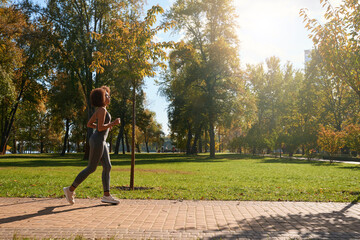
(97,96)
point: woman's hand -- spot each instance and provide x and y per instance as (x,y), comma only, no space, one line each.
(116,122)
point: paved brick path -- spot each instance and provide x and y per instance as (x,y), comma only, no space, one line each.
(165,219)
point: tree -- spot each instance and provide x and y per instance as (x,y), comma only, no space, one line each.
(337,40)
(209,26)
(130,43)
(150,128)
(187,106)
(329,140)
(323,99)
(73,24)
(269,90)
(66,101)
(352,136)
(23,62)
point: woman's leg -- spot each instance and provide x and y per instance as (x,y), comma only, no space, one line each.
(105,161)
(96,152)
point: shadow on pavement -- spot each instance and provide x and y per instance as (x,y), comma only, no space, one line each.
(22,202)
(45,211)
(311,226)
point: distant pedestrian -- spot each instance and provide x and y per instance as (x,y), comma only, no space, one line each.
(101,121)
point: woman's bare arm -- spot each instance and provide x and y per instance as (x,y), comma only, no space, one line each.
(100,115)
(101,119)
(91,123)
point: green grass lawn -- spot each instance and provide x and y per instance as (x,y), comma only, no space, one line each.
(177,176)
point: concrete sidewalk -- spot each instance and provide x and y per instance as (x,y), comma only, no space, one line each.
(166,219)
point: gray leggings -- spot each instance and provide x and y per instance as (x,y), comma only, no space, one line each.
(98,152)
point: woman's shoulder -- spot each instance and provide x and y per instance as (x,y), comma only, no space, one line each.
(100,110)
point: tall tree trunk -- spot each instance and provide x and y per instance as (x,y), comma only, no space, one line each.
(6,131)
(42,146)
(212,138)
(138,147)
(68,146)
(120,137)
(206,141)
(89,131)
(123,144)
(127,142)
(220,147)
(147,145)
(194,149)
(10,120)
(200,143)
(67,129)
(132,173)
(189,138)
(14,141)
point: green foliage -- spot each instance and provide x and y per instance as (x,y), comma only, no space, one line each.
(352,136)
(204,80)
(23,63)
(337,40)
(330,140)
(278,124)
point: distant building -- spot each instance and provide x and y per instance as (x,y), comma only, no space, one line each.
(307,56)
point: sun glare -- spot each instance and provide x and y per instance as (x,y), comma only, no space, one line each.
(274,28)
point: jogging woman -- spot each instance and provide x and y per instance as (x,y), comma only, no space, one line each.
(101,121)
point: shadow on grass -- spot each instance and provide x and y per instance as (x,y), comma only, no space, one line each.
(295,161)
(356,200)
(42,156)
(308,162)
(354,168)
(76,160)
(328,225)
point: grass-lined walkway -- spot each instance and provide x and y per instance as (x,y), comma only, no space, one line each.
(176,176)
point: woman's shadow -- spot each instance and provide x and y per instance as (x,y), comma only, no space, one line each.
(44,212)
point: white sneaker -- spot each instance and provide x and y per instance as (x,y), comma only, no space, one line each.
(69,195)
(109,199)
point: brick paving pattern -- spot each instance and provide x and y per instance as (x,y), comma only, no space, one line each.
(166,219)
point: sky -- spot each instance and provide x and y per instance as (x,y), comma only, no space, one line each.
(266,28)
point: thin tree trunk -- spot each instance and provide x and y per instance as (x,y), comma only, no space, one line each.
(200,143)
(220,148)
(138,147)
(14,141)
(127,142)
(120,137)
(67,128)
(68,146)
(123,144)
(89,132)
(194,149)
(10,120)
(189,138)
(132,173)
(206,141)
(212,139)
(147,146)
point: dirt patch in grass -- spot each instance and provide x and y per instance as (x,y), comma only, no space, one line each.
(127,188)
(154,171)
